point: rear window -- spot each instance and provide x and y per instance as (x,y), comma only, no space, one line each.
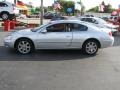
(3,4)
(82,19)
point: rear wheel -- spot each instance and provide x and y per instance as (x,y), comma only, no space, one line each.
(24,46)
(90,47)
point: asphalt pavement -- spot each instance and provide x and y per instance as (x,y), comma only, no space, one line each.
(60,69)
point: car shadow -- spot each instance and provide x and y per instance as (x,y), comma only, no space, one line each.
(42,55)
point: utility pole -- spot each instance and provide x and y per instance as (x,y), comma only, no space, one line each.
(41,18)
(15,2)
(81,7)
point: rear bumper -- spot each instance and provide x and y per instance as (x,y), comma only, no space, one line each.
(107,43)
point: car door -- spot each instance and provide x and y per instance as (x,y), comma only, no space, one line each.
(80,33)
(56,36)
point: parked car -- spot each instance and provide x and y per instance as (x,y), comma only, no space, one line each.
(105,18)
(7,10)
(58,18)
(62,34)
(50,15)
(88,15)
(113,18)
(100,23)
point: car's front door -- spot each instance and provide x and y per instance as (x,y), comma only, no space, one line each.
(56,36)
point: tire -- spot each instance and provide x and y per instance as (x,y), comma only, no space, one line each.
(24,46)
(90,47)
(11,17)
(5,16)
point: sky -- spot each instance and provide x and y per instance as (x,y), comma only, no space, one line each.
(87,3)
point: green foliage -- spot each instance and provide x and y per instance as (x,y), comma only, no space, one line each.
(94,9)
(32,10)
(65,4)
(50,8)
(37,9)
(108,8)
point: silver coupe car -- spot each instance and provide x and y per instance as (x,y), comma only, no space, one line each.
(62,34)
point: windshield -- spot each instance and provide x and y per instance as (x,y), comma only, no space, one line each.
(38,28)
(101,21)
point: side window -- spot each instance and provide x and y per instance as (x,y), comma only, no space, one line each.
(78,27)
(82,19)
(91,20)
(57,28)
(3,4)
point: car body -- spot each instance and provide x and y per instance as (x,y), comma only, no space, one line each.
(105,18)
(88,15)
(61,34)
(113,18)
(50,15)
(100,23)
(8,10)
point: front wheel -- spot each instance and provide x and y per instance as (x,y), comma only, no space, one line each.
(90,47)
(24,46)
(5,16)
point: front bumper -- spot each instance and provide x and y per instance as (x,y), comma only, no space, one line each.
(8,43)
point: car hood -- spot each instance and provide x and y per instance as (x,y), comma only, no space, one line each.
(24,32)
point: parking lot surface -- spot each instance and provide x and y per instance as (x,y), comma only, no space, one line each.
(60,69)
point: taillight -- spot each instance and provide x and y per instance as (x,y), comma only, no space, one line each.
(110,34)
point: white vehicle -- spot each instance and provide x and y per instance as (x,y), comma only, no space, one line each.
(100,23)
(7,10)
(61,34)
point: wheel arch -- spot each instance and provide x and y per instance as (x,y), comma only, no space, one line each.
(94,39)
(23,38)
(4,12)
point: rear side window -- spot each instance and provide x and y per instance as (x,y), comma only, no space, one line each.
(78,27)
(3,4)
(82,19)
(90,20)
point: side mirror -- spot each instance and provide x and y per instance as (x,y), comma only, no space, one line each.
(44,31)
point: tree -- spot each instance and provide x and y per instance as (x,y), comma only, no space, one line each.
(108,8)
(82,7)
(94,9)
(65,5)
(37,9)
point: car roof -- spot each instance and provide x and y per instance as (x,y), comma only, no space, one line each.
(66,21)
(73,21)
(90,17)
